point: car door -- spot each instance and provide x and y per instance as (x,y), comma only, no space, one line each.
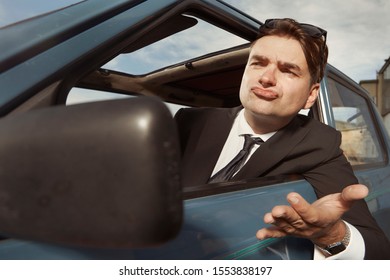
(365,141)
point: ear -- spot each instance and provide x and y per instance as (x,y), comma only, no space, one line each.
(313,94)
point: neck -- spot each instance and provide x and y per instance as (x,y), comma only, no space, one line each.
(265,124)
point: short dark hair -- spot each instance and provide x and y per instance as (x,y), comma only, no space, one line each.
(314,47)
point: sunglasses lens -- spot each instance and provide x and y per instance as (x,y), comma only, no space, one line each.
(313,30)
(269,23)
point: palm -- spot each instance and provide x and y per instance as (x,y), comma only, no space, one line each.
(316,221)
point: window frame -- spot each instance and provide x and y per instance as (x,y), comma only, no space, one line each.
(343,80)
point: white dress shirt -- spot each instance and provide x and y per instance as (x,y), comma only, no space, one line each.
(235,142)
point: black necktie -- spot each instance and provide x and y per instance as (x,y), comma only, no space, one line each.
(226,173)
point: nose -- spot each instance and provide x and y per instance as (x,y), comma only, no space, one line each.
(267,78)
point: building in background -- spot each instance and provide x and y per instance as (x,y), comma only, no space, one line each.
(379,89)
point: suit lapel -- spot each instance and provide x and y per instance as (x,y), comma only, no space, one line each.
(206,151)
(274,150)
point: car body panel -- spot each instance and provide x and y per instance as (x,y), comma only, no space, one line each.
(221,226)
(64,49)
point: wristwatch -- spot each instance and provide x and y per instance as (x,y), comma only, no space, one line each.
(337,247)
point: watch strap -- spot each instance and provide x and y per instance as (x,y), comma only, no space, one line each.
(339,246)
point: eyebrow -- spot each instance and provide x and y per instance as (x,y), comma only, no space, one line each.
(291,66)
(287,65)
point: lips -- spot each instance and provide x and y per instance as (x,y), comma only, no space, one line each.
(263,93)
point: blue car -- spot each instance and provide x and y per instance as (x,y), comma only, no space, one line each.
(89,153)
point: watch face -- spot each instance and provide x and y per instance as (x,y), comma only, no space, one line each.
(335,248)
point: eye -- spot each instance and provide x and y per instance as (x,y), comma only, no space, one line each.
(258,63)
(289,71)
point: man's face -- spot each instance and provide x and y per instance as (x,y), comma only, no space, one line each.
(276,83)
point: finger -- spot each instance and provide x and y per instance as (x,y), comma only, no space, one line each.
(282,212)
(278,212)
(271,232)
(301,206)
(280,223)
(290,227)
(268,218)
(354,192)
(285,217)
(277,230)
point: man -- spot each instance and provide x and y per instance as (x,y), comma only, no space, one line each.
(282,75)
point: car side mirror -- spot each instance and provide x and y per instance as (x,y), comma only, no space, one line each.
(102,174)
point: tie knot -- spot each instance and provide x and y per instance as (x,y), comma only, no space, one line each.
(250,141)
(237,162)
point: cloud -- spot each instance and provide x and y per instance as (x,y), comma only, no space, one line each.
(358,30)
(358,35)
(202,38)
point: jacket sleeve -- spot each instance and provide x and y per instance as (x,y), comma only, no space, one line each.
(334,174)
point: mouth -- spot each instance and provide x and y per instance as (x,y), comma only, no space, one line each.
(264,94)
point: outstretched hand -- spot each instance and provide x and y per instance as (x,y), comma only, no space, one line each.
(320,221)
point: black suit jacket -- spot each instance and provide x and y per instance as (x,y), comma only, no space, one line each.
(305,146)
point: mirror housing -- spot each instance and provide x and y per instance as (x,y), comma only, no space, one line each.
(102,174)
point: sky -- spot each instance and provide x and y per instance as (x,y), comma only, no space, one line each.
(358,32)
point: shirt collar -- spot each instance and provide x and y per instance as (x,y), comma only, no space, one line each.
(244,128)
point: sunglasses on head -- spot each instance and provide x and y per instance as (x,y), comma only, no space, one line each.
(312,30)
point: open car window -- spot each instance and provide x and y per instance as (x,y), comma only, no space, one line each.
(198,39)
(142,67)
(360,138)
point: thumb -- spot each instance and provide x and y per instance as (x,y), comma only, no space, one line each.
(354,192)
